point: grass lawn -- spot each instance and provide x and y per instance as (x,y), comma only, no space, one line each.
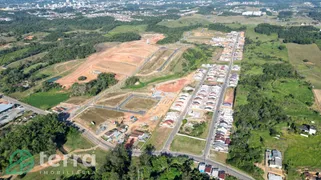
(100,156)
(218,156)
(46,100)
(186,21)
(159,137)
(311,69)
(128,28)
(187,145)
(76,141)
(11,56)
(28,69)
(31,58)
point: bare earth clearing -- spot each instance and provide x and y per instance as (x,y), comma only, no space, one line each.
(122,60)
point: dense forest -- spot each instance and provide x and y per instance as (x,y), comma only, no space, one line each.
(224,28)
(260,113)
(294,34)
(42,134)
(119,164)
(315,15)
(103,81)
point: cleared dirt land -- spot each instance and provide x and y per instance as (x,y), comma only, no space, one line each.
(99,115)
(201,35)
(229,96)
(317,94)
(122,60)
(138,103)
(173,86)
(307,60)
(113,100)
(156,61)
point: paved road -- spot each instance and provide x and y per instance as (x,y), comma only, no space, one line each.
(119,109)
(212,129)
(182,115)
(168,59)
(26,106)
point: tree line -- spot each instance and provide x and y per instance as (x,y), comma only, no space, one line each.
(294,34)
(42,134)
(224,28)
(103,81)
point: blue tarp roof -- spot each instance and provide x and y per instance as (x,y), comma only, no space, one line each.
(4,107)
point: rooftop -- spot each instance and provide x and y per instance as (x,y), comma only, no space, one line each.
(4,107)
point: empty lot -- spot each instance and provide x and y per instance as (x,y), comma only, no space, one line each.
(139,103)
(307,60)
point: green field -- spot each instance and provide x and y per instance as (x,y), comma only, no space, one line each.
(28,69)
(293,95)
(186,21)
(76,141)
(46,100)
(187,145)
(128,28)
(311,69)
(23,61)
(11,56)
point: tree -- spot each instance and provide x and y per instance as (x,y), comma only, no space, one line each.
(82,78)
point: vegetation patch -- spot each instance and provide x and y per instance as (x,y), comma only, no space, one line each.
(46,100)
(99,115)
(187,145)
(307,61)
(138,103)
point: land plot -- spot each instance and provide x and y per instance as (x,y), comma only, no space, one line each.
(46,100)
(77,100)
(229,97)
(186,21)
(202,36)
(158,59)
(113,101)
(99,115)
(187,145)
(159,137)
(307,60)
(60,68)
(317,95)
(122,60)
(31,58)
(128,28)
(140,103)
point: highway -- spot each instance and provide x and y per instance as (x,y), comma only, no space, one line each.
(182,115)
(212,129)
(26,106)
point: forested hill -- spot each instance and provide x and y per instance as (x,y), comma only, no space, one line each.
(295,34)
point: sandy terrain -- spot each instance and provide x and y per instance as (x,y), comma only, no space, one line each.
(174,85)
(229,96)
(122,60)
(317,94)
